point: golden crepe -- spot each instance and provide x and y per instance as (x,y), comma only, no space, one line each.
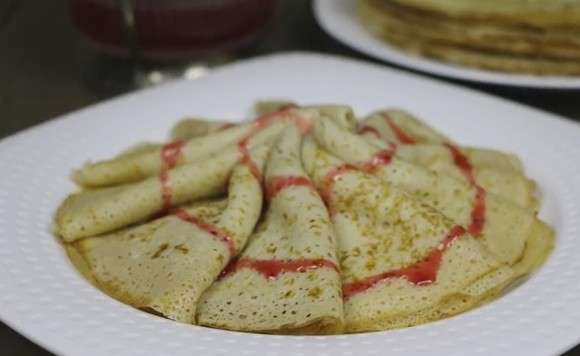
(402,262)
(152,160)
(144,164)
(287,279)
(190,128)
(156,265)
(539,37)
(375,226)
(507,230)
(93,212)
(418,143)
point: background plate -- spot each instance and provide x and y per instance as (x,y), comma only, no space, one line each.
(44,298)
(338,18)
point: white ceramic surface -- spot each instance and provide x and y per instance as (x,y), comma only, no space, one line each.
(44,298)
(338,18)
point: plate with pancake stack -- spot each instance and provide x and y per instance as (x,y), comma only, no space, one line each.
(514,42)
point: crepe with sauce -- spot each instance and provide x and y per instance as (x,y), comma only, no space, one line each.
(93,212)
(144,164)
(287,279)
(192,127)
(342,115)
(158,265)
(418,143)
(402,262)
(414,227)
(514,235)
(194,147)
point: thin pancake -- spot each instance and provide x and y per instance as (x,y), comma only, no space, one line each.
(534,13)
(417,143)
(504,228)
(155,266)
(403,263)
(401,127)
(99,211)
(286,281)
(484,59)
(189,128)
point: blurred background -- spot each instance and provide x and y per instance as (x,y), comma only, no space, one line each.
(56,57)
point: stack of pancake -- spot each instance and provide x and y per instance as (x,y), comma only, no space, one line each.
(539,37)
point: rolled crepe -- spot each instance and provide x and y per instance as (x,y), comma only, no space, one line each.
(385,18)
(139,165)
(287,280)
(402,262)
(264,107)
(511,233)
(342,115)
(400,127)
(156,266)
(94,212)
(189,128)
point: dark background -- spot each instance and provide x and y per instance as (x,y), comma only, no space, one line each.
(47,70)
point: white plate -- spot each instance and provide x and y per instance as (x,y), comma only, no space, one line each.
(339,19)
(44,298)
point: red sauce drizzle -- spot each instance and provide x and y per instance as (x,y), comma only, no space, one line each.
(262,122)
(328,182)
(277,184)
(268,119)
(462,162)
(477,212)
(170,154)
(364,129)
(271,269)
(478,209)
(421,273)
(381,158)
(402,136)
(247,158)
(211,229)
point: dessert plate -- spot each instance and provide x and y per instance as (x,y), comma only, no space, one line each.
(44,298)
(339,19)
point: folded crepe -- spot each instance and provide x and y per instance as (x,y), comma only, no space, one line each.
(145,163)
(94,212)
(402,262)
(286,280)
(495,171)
(189,128)
(400,127)
(342,115)
(514,235)
(165,265)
